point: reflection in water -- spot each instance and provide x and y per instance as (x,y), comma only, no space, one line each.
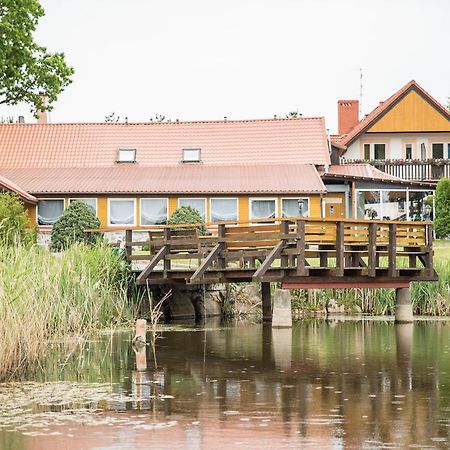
(349,384)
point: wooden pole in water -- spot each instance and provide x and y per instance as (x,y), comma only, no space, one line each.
(139,344)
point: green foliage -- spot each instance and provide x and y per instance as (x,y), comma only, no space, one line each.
(27,69)
(69,228)
(442,202)
(188,215)
(13,221)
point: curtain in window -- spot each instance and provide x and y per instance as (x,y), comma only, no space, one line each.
(223,209)
(153,211)
(49,211)
(295,207)
(121,212)
(263,209)
(196,203)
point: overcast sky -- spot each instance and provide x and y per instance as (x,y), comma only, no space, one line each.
(206,59)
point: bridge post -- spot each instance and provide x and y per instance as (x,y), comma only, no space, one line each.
(282,309)
(266,302)
(403,306)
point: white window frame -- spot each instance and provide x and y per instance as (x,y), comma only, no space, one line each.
(121,200)
(153,198)
(48,198)
(223,198)
(195,198)
(252,199)
(126,160)
(72,199)
(184,160)
(294,198)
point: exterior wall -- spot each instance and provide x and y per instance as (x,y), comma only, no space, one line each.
(412,113)
(31,211)
(243,205)
(396,144)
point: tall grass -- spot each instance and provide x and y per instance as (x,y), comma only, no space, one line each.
(45,296)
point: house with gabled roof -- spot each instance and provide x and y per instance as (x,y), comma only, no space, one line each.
(138,174)
(407,135)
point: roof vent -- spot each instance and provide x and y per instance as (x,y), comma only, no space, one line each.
(126,155)
(191,155)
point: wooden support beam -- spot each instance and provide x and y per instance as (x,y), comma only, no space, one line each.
(274,254)
(392,250)
(152,264)
(430,251)
(301,249)
(266,302)
(212,256)
(284,228)
(340,249)
(128,241)
(221,262)
(167,263)
(372,250)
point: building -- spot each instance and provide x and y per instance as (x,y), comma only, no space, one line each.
(408,135)
(138,174)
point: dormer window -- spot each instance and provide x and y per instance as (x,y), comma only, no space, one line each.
(191,155)
(126,155)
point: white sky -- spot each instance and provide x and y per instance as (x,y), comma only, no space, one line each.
(206,59)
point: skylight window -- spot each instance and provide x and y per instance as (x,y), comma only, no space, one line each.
(191,155)
(126,155)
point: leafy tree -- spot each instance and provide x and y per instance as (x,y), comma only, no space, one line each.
(112,118)
(293,115)
(186,214)
(159,118)
(442,204)
(69,228)
(13,221)
(26,68)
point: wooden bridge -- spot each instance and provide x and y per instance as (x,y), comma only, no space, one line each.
(298,252)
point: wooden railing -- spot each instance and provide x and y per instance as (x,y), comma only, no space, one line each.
(429,170)
(283,249)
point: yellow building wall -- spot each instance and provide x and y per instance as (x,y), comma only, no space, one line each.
(412,113)
(31,212)
(315,206)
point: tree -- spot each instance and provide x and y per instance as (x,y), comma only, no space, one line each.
(293,115)
(112,118)
(442,204)
(159,118)
(186,214)
(69,228)
(28,70)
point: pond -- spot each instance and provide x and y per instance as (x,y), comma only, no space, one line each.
(322,384)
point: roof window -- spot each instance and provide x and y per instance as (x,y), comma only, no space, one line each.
(191,155)
(126,155)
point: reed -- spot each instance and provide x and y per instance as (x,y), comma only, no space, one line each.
(46,296)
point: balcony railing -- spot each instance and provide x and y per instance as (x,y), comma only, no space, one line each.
(419,170)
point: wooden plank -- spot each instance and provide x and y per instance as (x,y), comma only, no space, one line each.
(212,256)
(340,261)
(152,264)
(274,254)
(301,247)
(372,250)
(392,250)
(221,231)
(128,247)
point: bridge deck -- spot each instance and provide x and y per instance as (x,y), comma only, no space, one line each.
(299,252)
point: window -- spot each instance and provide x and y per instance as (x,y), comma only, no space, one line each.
(294,207)
(91,202)
(224,209)
(379,151)
(197,203)
(263,208)
(126,155)
(153,211)
(408,151)
(437,151)
(49,211)
(191,155)
(367,152)
(121,211)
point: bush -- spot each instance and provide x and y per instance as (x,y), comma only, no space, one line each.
(69,228)
(186,214)
(13,221)
(442,202)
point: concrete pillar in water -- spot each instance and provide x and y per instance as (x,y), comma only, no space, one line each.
(403,306)
(266,302)
(282,347)
(282,311)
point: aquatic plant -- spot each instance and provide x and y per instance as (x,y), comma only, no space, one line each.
(52,296)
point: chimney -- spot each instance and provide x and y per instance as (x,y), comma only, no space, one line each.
(42,116)
(348,115)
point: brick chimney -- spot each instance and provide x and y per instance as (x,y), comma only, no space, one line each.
(42,116)
(348,115)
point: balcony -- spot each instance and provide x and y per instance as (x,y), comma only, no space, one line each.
(410,169)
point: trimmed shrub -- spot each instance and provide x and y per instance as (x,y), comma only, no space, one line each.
(13,221)
(442,202)
(186,214)
(69,228)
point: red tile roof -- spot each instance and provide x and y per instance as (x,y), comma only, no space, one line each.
(9,185)
(175,179)
(370,119)
(289,141)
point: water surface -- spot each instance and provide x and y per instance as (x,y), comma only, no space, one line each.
(336,384)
